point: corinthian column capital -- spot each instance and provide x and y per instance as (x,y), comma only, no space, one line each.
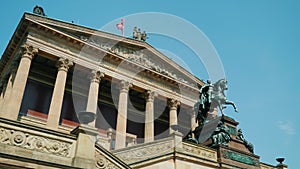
(173,104)
(124,86)
(150,95)
(96,76)
(28,51)
(64,64)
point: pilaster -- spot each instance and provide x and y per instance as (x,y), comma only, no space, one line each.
(85,146)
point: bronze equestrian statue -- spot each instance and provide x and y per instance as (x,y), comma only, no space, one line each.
(211,96)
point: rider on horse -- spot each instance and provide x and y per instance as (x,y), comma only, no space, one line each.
(211,96)
(206,92)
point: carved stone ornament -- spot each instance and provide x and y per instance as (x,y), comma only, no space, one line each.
(137,56)
(141,153)
(34,142)
(124,86)
(96,76)
(197,151)
(173,104)
(150,95)
(64,64)
(102,162)
(28,51)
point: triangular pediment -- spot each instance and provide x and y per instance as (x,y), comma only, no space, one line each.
(129,49)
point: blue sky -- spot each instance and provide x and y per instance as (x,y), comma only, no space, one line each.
(257,42)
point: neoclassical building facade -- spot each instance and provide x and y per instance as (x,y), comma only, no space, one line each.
(53,71)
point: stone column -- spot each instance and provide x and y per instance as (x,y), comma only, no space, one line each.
(3,85)
(173,105)
(63,66)
(92,102)
(2,88)
(122,115)
(149,116)
(7,88)
(16,94)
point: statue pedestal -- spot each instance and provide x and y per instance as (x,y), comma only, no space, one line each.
(232,151)
(228,156)
(204,132)
(85,146)
(236,152)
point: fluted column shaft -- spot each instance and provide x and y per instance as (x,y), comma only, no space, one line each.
(173,105)
(149,116)
(63,66)
(17,91)
(92,102)
(122,115)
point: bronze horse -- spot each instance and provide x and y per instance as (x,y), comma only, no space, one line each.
(212,96)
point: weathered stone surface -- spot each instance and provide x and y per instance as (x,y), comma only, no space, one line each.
(199,151)
(142,152)
(102,162)
(34,142)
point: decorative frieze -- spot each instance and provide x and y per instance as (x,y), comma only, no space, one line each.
(145,152)
(34,142)
(137,56)
(199,152)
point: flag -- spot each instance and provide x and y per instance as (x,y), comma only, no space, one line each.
(120,26)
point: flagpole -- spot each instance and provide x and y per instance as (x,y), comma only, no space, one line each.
(123,30)
(120,26)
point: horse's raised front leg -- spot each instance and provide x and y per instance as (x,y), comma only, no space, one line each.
(233,105)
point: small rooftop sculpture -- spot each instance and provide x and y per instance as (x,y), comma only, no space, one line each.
(38,10)
(138,35)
